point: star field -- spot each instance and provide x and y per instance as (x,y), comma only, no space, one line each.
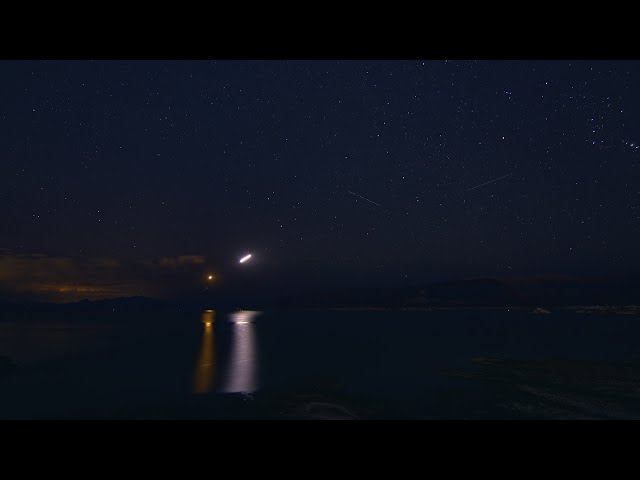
(331,172)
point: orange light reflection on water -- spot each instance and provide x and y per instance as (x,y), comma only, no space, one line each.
(205,373)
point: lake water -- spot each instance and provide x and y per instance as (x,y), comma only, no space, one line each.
(321,364)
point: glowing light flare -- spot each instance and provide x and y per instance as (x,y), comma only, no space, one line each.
(243,316)
(245,258)
(208,317)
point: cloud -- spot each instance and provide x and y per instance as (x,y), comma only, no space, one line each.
(60,279)
(181,261)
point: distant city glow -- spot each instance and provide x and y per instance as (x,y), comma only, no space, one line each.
(245,258)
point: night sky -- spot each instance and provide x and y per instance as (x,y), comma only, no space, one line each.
(144,177)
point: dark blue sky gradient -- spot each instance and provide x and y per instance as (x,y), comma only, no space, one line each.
(140,160)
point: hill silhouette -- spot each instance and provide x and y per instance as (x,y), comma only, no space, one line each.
(479,292)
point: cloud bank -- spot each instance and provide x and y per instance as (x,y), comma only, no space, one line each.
(65,279)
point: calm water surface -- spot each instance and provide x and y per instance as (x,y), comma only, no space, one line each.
(286,364)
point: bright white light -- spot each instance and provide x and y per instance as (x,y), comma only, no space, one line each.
(245,258)
(243,316)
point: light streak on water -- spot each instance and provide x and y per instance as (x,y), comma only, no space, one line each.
(244,360)
(205,374)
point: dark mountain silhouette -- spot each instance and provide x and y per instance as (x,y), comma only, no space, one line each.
(483,292)
(547,291)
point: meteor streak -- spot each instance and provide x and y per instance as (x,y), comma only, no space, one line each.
(360,196)
(490,181)
(245,258)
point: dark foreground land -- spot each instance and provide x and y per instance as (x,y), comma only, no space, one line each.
(510,389)
(560,388)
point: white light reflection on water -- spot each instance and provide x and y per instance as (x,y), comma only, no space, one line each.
(243,367)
